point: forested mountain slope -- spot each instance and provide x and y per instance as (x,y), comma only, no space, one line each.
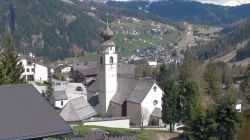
(57,29)
(190,11)
(228,40)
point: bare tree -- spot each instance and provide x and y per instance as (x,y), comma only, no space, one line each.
(144,117)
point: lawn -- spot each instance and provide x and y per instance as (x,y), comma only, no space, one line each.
(148,134)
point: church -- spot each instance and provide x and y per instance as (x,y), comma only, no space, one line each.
(115,94)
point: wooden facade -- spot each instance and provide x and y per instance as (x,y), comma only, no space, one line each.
(245,133)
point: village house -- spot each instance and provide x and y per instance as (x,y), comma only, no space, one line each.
(34,70)
(59,98)
(77,110)
(62,69)
(25,114)
(83,72)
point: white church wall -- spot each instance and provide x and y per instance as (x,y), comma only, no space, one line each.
(107,81)
(134,113)
(116,123)
(149,102)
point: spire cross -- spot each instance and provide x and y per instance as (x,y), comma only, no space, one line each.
(107,17)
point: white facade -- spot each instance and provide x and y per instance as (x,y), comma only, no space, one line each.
(107,72)
(66,69)
(29,70)
(151,101)
(41,73)
(33,71)
(116,123)
(60,104)
(142,112)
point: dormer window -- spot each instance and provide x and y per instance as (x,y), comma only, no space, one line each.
(111,60)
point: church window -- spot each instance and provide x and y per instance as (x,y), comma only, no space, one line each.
(111,60)
(61,103)
(155,102)
(101,60)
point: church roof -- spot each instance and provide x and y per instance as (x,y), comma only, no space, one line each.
(77,109)
(156,112)
(125,87)
(130,89)
(141,90)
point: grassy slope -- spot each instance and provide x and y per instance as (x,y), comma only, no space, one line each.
(148,134)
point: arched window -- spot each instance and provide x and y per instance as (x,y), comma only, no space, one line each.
(101,60)
(111,60)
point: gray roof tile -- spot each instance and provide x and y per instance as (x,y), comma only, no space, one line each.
(156,112)
(25,114)
(77,109)
(130,89)
(141,90)
(60,95)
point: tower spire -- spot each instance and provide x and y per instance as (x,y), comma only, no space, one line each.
(107,33)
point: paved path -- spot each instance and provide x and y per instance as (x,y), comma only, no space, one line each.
(163,136)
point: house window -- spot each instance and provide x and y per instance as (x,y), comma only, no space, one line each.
(155,102)
(101,60)
(155,88)
(111,60)
(30,78)
(28,70)
(29,63)
(33,70)
(61,103)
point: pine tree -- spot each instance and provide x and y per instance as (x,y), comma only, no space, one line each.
(228,119)
(222,122)
(50,86)
(170,99)
(245,84)
(211,77)
(192,105)
(11,67)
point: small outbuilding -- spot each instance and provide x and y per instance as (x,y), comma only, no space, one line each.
(59,99)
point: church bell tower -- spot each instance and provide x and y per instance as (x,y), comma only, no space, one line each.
(107,70)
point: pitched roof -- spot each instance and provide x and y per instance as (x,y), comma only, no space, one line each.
(126,70)
(141,90)
(77,109)
(86,70)
(156,112)
(131,89)
(125,87)
(60,95)
(25,114)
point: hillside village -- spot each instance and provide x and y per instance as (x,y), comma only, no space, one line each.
(148,81)
(103,93)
